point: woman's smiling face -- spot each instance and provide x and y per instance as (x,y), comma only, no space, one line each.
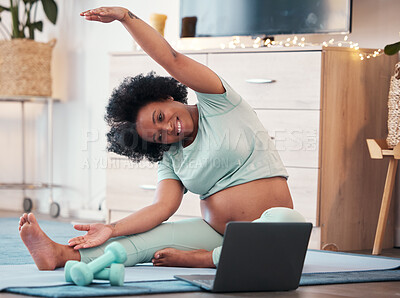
(165,122)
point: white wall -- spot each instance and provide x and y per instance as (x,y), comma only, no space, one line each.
(80,71)
(375,23)
(80,75)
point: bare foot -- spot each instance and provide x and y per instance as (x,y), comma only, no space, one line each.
(199,258)
(46,253)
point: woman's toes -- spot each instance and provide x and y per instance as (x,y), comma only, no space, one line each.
(158,262)
(160,257)
(22,221)
(159,254)
(32,218)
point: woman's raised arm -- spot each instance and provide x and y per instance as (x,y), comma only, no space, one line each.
(189,72)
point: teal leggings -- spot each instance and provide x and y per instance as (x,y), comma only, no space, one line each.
(188,234)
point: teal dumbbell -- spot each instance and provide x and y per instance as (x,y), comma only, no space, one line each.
(115,274)
(82,274)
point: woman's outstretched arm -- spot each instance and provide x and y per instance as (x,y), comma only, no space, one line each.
(189,72)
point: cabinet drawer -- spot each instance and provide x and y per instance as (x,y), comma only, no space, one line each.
(296,76)
(132,186)
(295,134)
(303,185)
(131,65)
(128,203)
(115,215)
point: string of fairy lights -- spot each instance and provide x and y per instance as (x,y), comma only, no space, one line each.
(301,42)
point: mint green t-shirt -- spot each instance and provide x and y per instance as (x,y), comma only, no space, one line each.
(231,147)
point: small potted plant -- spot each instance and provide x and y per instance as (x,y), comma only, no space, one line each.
(392,49)
(24,62)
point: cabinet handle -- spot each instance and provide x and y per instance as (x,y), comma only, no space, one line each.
(148,187)
(260,81)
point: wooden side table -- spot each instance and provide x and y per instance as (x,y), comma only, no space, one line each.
(378,149)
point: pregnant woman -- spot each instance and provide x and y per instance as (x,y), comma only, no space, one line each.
(217,149)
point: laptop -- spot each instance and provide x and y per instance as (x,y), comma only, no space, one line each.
(258,257)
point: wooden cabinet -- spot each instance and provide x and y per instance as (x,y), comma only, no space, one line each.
(284,89)
(319,105)
(354,108)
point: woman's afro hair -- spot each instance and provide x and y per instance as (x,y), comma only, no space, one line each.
(121,113)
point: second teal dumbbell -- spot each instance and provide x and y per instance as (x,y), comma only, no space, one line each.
(115,274)
(82,274)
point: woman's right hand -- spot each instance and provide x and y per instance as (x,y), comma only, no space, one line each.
(105,14)
(96,235)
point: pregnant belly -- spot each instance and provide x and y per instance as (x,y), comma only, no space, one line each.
(245,202)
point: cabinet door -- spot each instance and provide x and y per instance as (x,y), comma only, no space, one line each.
(131,65)
(295,134)
(279,80)
(303,185)
(190,205)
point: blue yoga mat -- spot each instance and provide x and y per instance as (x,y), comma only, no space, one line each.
(61,232)
(95,290)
